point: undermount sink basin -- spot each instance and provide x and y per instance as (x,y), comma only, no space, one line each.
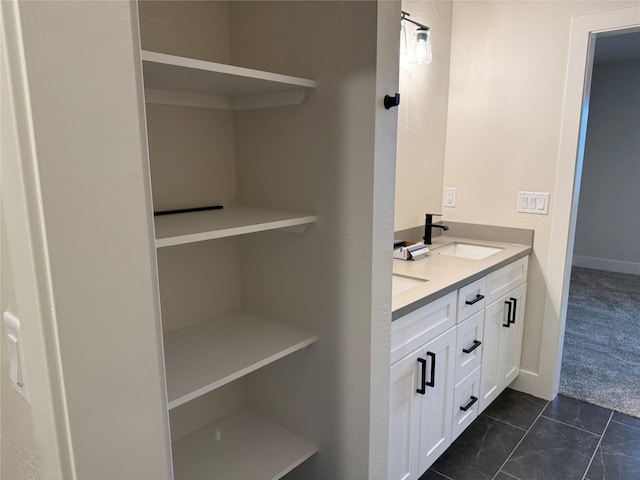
(466,250)
(402,283)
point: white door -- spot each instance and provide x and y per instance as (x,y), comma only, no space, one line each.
(511,337)
(495,317)
(404,418)
(437,376)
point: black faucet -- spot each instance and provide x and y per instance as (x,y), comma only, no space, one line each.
(428,225)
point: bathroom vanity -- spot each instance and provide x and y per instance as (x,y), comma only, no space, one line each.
(456,338)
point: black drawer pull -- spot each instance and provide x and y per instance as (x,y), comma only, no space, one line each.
(476,344)
(513,317)
(508,324)
(470,404)
(475,300)
(423,366)
(432,382)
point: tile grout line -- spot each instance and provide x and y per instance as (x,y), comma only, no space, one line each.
(622,423)
(595,452)
(518,444)
(508,475)
(578,428)
(504,421)
(441,474)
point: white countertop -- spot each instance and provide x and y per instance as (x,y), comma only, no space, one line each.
(447,273)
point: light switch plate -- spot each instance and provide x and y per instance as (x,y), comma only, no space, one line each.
(450,194)
(533,202)
(13,339)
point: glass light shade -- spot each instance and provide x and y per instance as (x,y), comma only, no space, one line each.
(422,50)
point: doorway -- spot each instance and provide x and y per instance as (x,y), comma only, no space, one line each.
(601,351)
(584,32)
(601,354)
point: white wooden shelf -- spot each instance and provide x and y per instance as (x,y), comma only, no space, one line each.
(175,80)
(242,445)
(181,228)
(204,356)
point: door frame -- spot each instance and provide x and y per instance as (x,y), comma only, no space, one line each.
(584,30)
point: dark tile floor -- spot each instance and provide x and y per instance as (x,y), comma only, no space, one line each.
(525,438)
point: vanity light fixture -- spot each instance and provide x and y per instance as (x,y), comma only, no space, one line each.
(421,51)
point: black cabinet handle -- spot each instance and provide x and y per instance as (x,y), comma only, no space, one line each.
(475,300)
(515,302)
(423,366)
(432,383)
(508,324)
(470,404)
(476,344)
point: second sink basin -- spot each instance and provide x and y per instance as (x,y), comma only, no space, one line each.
(466,250)
(402,283)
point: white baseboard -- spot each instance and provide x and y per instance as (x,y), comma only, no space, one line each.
(606,264)
(533,384)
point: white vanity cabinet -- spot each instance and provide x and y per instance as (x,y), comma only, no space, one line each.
(422,382)
(449,360)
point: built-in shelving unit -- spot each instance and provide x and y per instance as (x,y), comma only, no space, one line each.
(175,80)
(268,450)
(191,227)
(202,357)
(205,356)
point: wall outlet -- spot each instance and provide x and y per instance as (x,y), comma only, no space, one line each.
(533,202)
(450,197)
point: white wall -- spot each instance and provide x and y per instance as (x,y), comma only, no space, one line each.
(508,71)
(20,453)
(34,431)
(422,119)
(90,215)
(608,223)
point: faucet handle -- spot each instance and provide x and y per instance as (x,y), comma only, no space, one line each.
(429,216)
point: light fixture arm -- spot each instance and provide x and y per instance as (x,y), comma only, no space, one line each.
(406,15)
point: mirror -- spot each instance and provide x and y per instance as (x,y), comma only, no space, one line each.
(422,118)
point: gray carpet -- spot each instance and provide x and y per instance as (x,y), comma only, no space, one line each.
(601,359)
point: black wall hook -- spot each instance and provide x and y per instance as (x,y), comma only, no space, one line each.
(390,101)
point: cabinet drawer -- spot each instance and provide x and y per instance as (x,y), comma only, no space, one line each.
(418,327)
(469,345)
(507,278)
(465,403)
(471,299)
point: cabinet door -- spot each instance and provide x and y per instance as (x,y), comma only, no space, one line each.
(436,415)
(511,338)
(495,320)
(404,418)
(502,343)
